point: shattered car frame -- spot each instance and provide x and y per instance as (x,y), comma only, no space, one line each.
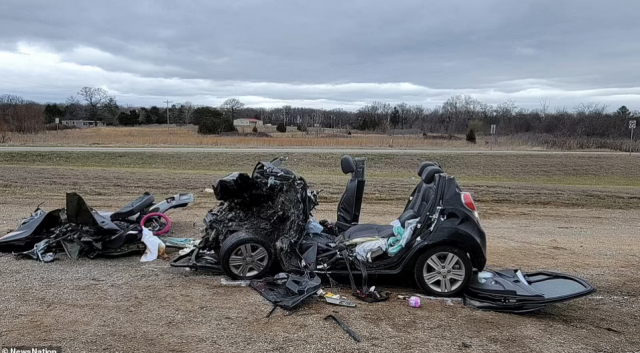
(80,230)
(262,217)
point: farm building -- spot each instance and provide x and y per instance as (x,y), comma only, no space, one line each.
(246,125)
(81,123)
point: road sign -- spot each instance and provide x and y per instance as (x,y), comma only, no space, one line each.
(57,120)
(493,129)
(632,124)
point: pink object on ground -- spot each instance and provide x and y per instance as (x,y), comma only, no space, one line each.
(414,302)
(161,215)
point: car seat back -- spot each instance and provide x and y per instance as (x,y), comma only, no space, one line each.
(426,191)
(423,166)
(351,200)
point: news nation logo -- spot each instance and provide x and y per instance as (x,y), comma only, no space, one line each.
(26,349)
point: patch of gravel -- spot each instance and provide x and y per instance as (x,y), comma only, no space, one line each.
(107,305)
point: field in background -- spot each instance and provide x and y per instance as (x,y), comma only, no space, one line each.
(324,138)
(580,180)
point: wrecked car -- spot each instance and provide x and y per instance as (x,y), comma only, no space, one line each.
(264,222)
(264,218)
(80,230)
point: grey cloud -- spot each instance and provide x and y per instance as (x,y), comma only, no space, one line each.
(451,47)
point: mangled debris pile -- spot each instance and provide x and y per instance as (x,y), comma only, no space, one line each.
(266,217)
(80,231)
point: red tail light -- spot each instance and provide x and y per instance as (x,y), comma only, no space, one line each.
(467,200)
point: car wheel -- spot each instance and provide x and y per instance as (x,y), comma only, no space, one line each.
(443,271)
(245,256)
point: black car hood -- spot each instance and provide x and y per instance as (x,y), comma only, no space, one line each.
(518,292)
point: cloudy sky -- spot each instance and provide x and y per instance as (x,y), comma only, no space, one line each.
(342,53)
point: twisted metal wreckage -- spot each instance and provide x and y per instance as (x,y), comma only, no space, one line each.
(264,221)
(79,230)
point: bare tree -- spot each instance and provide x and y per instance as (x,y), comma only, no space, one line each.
(188,108)
(95,97)
(232,106)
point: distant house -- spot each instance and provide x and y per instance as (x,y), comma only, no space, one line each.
(247,125)
(81,124)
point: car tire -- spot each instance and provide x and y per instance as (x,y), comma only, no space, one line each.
(245,256)
(451,277)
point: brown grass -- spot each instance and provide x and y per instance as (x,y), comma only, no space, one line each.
(188,136)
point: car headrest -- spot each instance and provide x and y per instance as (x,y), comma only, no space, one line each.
(348,165)
(425,165)
(429,174)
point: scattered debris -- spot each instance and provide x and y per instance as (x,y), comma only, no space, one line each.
(447,301)
(229,282)
(336,299)
(79,230)
(344,326)
(287,291)
(155,246)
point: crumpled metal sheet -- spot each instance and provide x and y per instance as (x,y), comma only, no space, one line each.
(274,204)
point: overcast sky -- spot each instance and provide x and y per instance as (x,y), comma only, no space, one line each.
(324,53)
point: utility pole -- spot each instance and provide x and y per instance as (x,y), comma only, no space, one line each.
(168,101)
(632,126)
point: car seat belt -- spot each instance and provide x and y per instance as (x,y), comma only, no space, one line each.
(369,296)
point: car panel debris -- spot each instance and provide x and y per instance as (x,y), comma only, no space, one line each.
(343,326)
(517,292)
(79,230)
(287,291)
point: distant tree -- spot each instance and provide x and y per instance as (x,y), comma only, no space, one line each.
(254,130)
(95,97)
(201,113)
(135,117)
(111,111)
(394,119)
(471,136)
(232,105)
(623,112)
(20,115)
(73,109)
(187,110)
(281,127)
(124,119)
(51,112)
(213,122)
(154,116)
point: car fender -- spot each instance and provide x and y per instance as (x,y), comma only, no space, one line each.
(460,233)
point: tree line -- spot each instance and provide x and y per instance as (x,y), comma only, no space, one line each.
(457,115)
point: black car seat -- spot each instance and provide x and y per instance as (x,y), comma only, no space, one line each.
(351,200)
(133,208)
(423,166)
(416,206)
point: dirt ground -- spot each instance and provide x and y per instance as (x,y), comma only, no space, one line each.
(122,305)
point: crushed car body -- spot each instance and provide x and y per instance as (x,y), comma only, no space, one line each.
(265,221)
(79,230)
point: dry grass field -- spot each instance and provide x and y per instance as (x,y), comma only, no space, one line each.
(188,136)
(571,213)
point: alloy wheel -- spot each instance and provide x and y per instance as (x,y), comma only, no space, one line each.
(444,272)
(248,260)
